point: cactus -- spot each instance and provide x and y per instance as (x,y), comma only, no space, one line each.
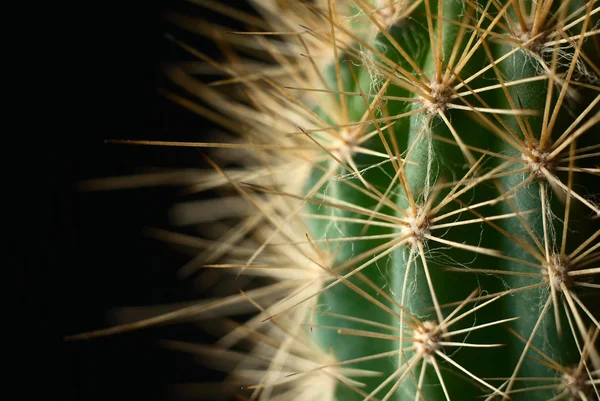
(408,189)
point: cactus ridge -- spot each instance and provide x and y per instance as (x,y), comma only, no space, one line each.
(409,191)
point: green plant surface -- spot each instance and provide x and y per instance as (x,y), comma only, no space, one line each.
(409,189)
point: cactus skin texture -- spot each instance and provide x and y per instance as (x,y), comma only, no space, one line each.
(408,189)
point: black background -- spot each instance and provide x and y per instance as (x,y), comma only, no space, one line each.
(86,252)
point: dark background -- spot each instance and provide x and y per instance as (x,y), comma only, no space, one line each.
(85,252)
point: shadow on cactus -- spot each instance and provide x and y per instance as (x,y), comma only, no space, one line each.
(410,189)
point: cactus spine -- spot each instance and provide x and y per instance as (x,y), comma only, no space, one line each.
(416,199)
